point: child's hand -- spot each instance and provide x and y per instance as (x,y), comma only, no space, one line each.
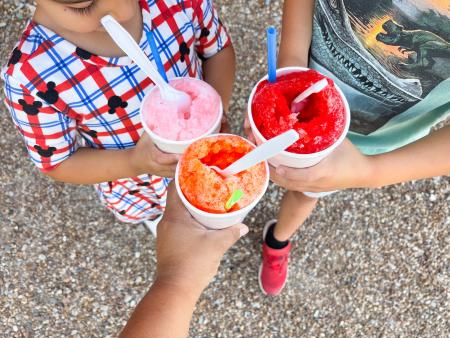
(147,158)
(345,168)
(248,131)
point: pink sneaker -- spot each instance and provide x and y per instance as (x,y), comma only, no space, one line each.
(273,271)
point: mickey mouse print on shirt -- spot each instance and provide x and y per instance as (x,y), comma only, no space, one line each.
(45,152)
(184,50)
(30,109)
(84,54)
(115,102)
(15,57)
(204,33)
(51,95)
(92,133)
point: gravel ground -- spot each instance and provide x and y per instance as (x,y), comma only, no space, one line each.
(365,263)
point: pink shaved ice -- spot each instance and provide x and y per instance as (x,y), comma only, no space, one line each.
(164,120)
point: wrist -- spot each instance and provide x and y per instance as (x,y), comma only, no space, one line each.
(184,286)
(134,162)
(372,173)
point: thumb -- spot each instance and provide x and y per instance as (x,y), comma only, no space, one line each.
(228,237)
(166,159)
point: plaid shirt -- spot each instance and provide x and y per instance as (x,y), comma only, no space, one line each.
(62,97)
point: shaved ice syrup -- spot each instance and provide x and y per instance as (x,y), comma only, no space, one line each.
(173,132)
(322,122)
(207,194)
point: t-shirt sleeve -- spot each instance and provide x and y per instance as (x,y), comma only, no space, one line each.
(49,135)
(211,35)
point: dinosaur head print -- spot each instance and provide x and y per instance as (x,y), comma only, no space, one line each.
(425,47)
(393,33)
(379,54)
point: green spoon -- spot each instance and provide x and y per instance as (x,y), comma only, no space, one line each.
(235,197)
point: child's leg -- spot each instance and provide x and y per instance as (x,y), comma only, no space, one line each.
(295,209)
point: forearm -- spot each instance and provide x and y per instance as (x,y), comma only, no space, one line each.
(165,311)
(428,157)
(89,166)
(296,33)
(219,72)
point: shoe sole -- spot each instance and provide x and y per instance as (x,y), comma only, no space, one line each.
(266,228)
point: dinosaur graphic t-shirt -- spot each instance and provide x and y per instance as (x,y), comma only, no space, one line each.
(392,60)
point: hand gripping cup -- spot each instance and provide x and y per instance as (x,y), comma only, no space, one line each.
(322,121)
(216,201)
(172,131)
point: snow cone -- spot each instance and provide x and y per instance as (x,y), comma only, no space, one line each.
(322,121)
(214,200)
(171,131)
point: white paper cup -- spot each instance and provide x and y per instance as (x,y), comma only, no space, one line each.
(177,147)
(220,221)
(287,158)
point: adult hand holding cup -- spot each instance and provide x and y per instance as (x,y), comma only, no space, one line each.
(188,256)
(186,251)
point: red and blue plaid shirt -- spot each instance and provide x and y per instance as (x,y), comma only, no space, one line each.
(62,97)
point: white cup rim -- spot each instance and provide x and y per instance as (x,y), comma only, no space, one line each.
(288,153)
(161,139)
(228,214)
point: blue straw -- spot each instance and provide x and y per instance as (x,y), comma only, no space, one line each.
(159,64)
(272,53)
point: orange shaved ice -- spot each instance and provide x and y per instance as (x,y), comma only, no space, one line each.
(206,189)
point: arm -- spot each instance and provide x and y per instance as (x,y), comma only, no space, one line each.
(165,311)
(295,40)
(213,44)
(427,157)
(89,166)
(219,71)
(347,167)
(296,33)
(188,257)
(51,140)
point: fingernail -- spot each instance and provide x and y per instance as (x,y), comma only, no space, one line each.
(243,230)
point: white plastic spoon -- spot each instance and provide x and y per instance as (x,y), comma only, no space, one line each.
(126,42)
(261,153)
(315,88)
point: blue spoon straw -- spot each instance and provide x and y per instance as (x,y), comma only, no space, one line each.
(272,53)
(159,64)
